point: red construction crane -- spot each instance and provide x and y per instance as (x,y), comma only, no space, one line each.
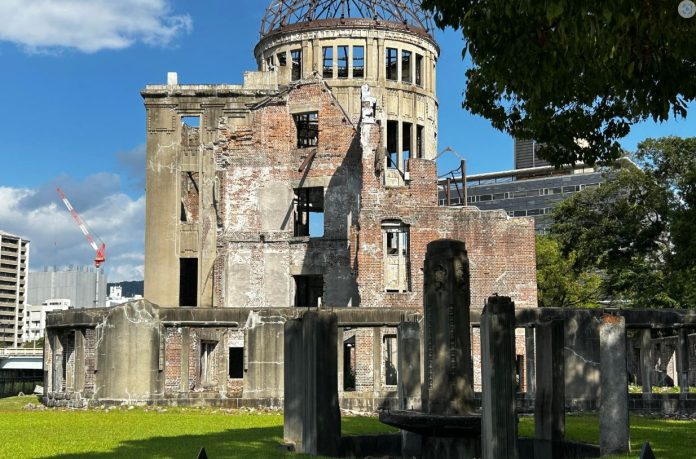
(100,250)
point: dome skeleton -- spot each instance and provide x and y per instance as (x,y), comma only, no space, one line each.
(281,13)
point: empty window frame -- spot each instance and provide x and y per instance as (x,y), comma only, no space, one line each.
(282,59)
(190,131)
(396,243)
(236,363)
(389,347)
(358,61)
(349,364)
(392,70)
(392,144)
(419,70)
(296,57)
(189,197)
(270,63)
(406,144)
(420,139)
(406,63)
(309,212)
(207,363)
(307,125)
(342,61)
(188,282)
(328,61)
(308,291)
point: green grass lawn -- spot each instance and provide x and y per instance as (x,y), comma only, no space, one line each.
(180,433)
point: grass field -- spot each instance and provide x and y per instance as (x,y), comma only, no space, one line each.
(180,433)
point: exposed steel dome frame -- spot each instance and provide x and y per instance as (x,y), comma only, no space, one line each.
(281,13)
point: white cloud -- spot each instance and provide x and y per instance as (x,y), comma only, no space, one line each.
(56,239)
(89,25)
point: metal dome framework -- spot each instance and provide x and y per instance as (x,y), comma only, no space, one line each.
(286,12)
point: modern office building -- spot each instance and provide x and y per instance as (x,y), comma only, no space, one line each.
(14,265)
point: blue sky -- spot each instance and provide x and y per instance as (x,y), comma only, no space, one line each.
(71,74)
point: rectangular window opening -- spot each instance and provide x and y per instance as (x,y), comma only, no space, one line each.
(308,291)
(342,62)
(309,212)
(390,360)
(188,282)
(420,146)
(190,131)
(328,61)
(419,70)
(207,362)
(358,62)
(406,144)
(392,64)
(296,56)
(406,76)
(236,363)
(349,362)
(392,144)
(282,59)
(307,125)
(397,266)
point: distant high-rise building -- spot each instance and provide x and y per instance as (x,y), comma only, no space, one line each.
(14,265)
(35,318)
(84,287)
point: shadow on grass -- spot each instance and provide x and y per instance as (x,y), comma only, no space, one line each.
(238,443)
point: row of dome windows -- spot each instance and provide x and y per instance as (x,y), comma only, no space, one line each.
(343,61)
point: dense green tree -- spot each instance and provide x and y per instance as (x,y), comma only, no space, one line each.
(560,284)
(561,70)
(637,229)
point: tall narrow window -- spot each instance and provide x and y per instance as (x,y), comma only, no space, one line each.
(396,257)
(309,212)
(392,144)
(188,282)
(420,146)
(282,59)
(328,61)
(343,62)
(406,144)
(207,363)
(236,363)
(419,70)
(349,363)
(358,62)
(406,74)
(270,63)
(296,56)
(392,64)
(390,360)
(190,131)
(307,125)
(308,291)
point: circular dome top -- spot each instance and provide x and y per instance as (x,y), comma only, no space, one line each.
(281,13)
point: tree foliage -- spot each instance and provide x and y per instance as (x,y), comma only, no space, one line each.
(637,229)
(562,70)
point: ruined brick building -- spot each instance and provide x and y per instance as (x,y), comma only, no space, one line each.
(313,184)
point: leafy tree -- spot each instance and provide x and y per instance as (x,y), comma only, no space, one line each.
(560,284)
(636,229)
(561,70)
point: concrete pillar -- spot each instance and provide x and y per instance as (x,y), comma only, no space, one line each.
(646,360)
(448,383)
(409,382)
(613,409)
(184,368)
(311,399)
(530,361)
(549,407)
(683,361)
(499,419)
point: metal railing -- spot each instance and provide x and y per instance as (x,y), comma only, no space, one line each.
(21,352)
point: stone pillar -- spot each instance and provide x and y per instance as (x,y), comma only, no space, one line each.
(499,423)
(646,360)
(530,361)
(683,361)
(409,381)
(549,407)
(613,409)
(311,399)
(448,384)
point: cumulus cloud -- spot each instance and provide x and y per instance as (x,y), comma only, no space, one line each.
(56,240)
(89,25)
(132,163)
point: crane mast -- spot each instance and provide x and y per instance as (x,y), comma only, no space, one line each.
(100,256)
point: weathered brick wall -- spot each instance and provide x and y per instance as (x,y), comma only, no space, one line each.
(90,360)
(172,360)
